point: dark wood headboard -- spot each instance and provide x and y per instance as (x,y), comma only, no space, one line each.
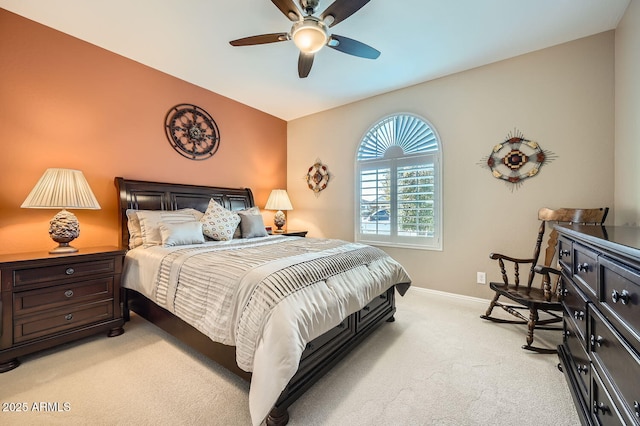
(143,195)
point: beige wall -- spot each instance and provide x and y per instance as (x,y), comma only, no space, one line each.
(562,97)
(627,122)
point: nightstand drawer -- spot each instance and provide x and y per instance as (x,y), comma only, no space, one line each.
(51,322)
(26,302)
(63,271)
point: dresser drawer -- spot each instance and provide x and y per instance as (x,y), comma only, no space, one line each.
(620,294)
(575,305)
(565,254)
(58,320)
(603,409)
(63,271)
(579,362)
(617,359)
(585,271)
(26,302)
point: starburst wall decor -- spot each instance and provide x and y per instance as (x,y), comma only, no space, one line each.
(516,159)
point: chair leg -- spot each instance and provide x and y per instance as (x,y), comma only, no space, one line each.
(492,305)
(533,319)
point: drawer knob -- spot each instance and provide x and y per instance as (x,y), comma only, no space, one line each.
(68,293)
(583,267)
(68,317)
(310,346)
(596,341)
(582,369)
(636,406)
(564,292)
(600,406)
(623,296)
(69,271)
(366,308)
(579,315)
(564,253)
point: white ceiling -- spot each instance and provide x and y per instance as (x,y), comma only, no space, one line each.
(420,40)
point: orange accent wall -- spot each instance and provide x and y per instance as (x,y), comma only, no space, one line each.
(67,103)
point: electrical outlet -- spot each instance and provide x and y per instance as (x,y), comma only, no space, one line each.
(481,277)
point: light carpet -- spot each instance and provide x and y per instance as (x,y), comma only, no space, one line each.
(437,364)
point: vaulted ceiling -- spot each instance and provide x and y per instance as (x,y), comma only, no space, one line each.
(418,40)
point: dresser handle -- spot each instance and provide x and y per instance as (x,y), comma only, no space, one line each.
(68,293)
(582,369)
(596,341)
(636,406)
(582,267)
(68,317)
(623,297)
(564,292)
(599,406)
(366,308)
(564,253)
(69,271)
(566,333)
(579,315)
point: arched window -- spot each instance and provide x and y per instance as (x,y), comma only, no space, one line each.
(399,184)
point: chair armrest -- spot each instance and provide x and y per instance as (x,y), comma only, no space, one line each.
(540,269)
(548,286)
(498,256)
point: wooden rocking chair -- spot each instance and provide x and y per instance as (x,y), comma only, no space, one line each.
(546,297)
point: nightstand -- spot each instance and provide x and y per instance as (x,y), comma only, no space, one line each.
(47,300)
(292,233)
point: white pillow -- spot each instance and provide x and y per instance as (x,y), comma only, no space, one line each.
(135,233)
(150,221)
(178,234)
(219,223)
(250,211)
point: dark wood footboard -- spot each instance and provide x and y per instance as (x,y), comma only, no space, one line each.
(320,355)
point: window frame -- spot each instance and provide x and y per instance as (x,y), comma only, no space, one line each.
(432,158)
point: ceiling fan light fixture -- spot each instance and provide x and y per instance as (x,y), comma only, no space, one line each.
(309,35)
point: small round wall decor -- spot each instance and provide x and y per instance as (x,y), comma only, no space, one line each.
(516,159)
(317,177)
(192,132)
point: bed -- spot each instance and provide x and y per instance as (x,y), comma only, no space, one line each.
(278,321)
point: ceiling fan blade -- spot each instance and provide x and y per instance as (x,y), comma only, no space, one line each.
(352,47)
(288,8)
(341,10)
(305,61)
(260,39)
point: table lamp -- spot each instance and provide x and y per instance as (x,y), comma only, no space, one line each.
(279,200)
(62,189)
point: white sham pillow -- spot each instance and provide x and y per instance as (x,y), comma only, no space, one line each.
(219,223)
(179,234)
(150,221)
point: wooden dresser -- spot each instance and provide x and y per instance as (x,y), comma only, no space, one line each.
(47,300)
(600,353)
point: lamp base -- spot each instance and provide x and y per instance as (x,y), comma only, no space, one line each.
(63,248)
(63,229)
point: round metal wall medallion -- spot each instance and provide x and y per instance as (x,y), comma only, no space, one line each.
(192,132)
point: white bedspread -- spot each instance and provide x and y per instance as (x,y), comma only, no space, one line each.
(266,296)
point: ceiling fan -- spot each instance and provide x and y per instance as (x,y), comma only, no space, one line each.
(310,33)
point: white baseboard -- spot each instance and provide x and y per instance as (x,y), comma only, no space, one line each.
(450,295)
